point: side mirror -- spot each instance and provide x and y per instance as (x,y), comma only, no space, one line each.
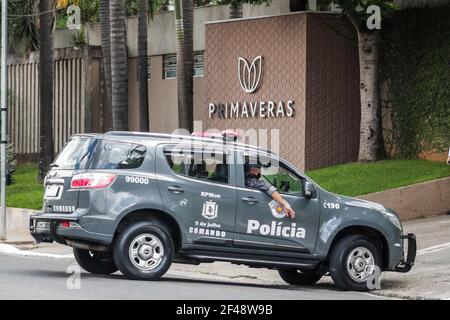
(310,190)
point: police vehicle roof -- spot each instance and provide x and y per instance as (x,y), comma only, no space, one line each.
(181,138)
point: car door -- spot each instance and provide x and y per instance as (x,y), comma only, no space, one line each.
(258,223)
(197,187)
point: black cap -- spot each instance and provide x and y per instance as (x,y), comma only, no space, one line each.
(252,165)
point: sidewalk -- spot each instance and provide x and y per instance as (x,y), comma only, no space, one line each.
(429,278)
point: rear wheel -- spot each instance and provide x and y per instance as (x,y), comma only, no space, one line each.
(354,262)
(144,251)
(302,278)
(95,261)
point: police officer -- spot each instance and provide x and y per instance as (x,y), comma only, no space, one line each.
(252,176)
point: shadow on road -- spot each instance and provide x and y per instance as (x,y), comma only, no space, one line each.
(171,279)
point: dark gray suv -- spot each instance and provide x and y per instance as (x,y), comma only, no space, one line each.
(137,202)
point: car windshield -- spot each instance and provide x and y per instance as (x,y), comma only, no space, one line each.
(76,154)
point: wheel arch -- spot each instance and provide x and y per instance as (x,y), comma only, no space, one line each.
(377,237)
(152,215)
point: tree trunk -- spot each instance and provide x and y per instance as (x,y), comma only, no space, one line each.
(187,117)
(143,65)
(119,66)
(297,5)
(105,27)
(370,146)
(46,87)
(236,10)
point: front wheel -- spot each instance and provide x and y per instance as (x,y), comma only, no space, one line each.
(95,262)
(354,262)
(144,251)
(301,278)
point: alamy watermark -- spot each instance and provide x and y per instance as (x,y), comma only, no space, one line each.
(374,20)
(73,281)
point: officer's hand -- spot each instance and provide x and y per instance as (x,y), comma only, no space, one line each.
(290,213)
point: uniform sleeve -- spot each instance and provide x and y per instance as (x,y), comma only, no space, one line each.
(268,189)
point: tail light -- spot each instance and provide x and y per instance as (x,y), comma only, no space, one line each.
(92,180)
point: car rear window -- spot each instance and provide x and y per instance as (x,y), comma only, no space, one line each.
(76,154)
(118,155)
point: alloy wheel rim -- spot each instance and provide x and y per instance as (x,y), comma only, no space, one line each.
(360,264)
(146,252)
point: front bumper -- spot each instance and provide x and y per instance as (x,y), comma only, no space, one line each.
(408,261)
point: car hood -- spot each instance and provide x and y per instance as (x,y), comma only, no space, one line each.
(363,203)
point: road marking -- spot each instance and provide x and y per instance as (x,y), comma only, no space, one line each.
(443,222)
(434,249)
(11,250)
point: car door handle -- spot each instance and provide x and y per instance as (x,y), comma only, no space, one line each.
(250,200)
(176,189)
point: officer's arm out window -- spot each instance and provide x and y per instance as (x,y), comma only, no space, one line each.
(118,155)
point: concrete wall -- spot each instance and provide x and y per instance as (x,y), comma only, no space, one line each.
(163,97)
(332,92)
(77,98)
(17,222)
(416,201)
(161,33)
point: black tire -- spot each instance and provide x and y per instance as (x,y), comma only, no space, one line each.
(95,261)
(338,262)
(164,250)
(300,278)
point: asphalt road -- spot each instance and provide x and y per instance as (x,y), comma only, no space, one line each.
(49,278)
(46,272)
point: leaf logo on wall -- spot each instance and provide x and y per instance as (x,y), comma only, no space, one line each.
(250,74)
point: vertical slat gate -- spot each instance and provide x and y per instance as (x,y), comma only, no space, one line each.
(69,107)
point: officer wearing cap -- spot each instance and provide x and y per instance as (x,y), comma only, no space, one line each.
(252,176)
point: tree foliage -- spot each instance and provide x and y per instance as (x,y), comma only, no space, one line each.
(414,61)
(23,24)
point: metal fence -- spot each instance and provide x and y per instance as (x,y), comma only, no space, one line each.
(77,94)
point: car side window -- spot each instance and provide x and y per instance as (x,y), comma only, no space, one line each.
(200,165)
(275,173)
(118,155)
(283,179)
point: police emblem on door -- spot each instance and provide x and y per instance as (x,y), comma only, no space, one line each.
(210,210)
(277,209)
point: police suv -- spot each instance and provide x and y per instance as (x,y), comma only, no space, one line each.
(136,202)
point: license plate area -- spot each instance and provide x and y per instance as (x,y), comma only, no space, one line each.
(42,225)
(53,191)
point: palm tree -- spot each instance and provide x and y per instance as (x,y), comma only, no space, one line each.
(188,26)
(143,64)
(236,10)
(184,16)
(106,45)
(23,25)
(46,86)
(119,66)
